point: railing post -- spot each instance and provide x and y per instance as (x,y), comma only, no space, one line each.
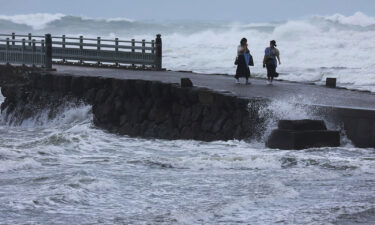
(143,52)
(29,38)
(116,50)
(48,52)
(153,49)
(33,52)
(7,51)
(98,48)
(158,52)
(23,51)
(81,47)
(133,49)
(63,47)
(13,38)
(42,53)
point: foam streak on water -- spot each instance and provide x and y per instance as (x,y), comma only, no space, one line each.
(66,171)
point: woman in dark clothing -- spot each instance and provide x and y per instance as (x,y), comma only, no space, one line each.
(271,56)
(243,60)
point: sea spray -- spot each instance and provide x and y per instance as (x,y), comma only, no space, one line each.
(283,109)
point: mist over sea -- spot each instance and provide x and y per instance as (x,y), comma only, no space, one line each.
(64,170)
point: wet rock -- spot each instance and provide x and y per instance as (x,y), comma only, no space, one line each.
(206,97)
(63,83)
(46,82)
(187,133)
(228,127)
(123,120)
(90,96)
(196,112)
(155,90)
(186,82)
(101,96)
(207,123)
(88,83)
(185,118)
(9,91)
(219,123)
(158,115)
(118,105)
(104,112)
(176,109)
(238,134)
(77,85)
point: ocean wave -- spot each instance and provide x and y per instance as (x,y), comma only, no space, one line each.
(37,21)
(312,49)
(358,19)
(45,21)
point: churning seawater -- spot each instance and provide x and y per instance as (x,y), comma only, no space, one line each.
(65,171)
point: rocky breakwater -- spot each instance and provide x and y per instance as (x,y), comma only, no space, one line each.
(140,108)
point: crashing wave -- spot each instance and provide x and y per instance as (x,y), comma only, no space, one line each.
(37,21)
(358,19)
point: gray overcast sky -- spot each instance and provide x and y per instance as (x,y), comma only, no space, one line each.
(231,10)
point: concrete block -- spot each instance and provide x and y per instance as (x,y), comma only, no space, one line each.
(186,82)
(297,140)
(331,82)
(300,125)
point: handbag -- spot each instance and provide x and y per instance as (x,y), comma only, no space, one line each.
(236,61)
(251,61)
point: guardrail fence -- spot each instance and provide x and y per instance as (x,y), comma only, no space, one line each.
(44,50)
(22,51)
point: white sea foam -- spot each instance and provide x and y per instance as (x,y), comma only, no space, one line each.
(37,21)
(358,19)
(11,165)
(119,19)
(66,114)
(1,97)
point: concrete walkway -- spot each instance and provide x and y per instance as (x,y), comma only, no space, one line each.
(281,90)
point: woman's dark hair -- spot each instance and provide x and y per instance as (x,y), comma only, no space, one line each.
(243,41)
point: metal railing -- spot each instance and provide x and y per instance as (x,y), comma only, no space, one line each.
(45,50)
(22,51)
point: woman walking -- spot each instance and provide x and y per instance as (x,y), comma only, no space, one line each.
(243,60)
(270,62)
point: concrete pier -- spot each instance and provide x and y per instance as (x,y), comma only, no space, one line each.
(313,94)
(355,110)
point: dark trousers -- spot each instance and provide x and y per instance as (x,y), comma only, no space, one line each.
(243,70)
(271,70)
